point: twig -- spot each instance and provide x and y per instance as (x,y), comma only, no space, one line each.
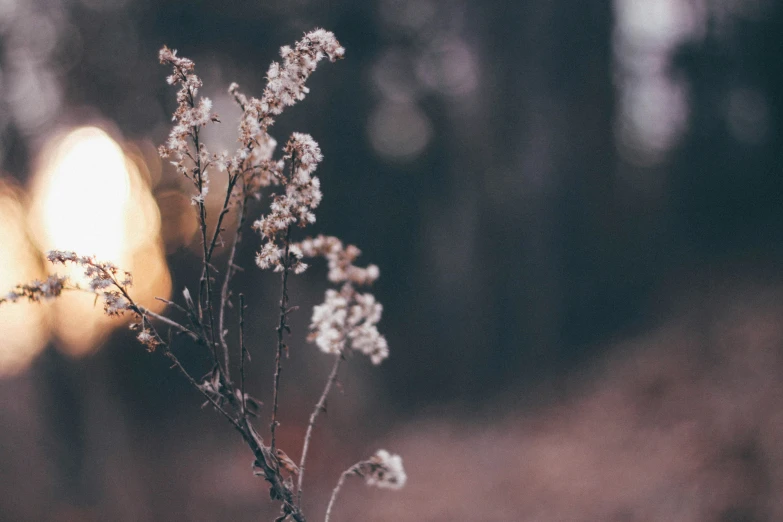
(320,405)
(255,442)
(230,269)
(143,312)
(205,277)
(193,335)
(271,471)
(191,315)
(243,352)
(232,180)
(172,303)
(281,327)
(193,382)
(262,455)
(345,474)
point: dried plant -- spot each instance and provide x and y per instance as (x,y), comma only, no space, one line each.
(346,320)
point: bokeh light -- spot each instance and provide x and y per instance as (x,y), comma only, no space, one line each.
(653,104)
(89,198)
(24,325)
(399,131)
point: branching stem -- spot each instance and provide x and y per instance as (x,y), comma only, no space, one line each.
(206,286)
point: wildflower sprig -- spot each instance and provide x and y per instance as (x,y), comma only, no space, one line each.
(190,116)
(382,470)
(105,279)
(347,319)
(37,291)
(347,316)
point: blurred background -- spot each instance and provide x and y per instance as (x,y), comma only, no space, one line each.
(575,206)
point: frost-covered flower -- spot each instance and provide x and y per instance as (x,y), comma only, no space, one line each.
(328,324)
(294,207)
(348,317)
(340,260)
(384,470)
(190,116)
(146,337)
(104,280)
(269,256)
(286,81)
(102,276)
(114,303)
(36,290)
(285,86)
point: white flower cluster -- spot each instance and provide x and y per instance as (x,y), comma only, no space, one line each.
(348,316)
(146,337)
(253,160)
(285,86)
(302,195)
(104,280)
(114,303)
(102,277)
(286,81)
(263,170)
(37,290)
(340,260)
(384,470)
(189,117)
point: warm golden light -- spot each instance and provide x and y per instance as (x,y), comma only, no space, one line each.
(89,198)
(86,189)
(24,326)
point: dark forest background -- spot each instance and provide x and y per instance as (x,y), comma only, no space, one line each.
(576,209)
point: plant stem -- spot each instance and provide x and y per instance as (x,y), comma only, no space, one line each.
(281,328)
(243,352)
(319,407)
(345,474)
(230,269)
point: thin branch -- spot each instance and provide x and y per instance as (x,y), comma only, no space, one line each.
(193,382)
(319,407)
(345,474)
(230,269)
(254,441)
(172,303)
(206,278)
(206,287)
(232,180)
(266,460)
(263,455)
(193,335)
(281,328)
(243,352)
(142,312)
